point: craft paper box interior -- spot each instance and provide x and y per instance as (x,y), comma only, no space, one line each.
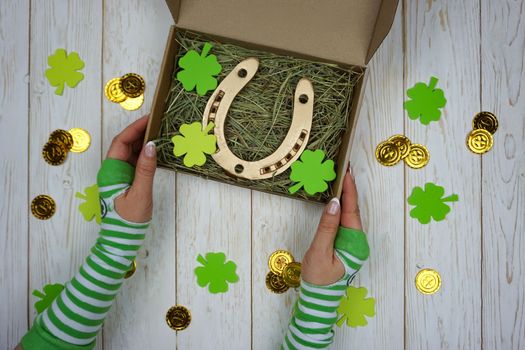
(344,32)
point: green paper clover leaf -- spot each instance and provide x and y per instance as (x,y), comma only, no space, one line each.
(50,292)
(355,306)
(215,272)
(199,70)
(195,142)
(425,102)
(311,172)
(429,203)
(64,70)
(91,207)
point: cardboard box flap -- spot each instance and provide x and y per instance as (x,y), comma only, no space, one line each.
(343,31)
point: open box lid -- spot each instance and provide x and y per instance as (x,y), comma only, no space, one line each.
(342,31)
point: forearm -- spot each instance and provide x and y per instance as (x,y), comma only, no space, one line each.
(76,316)
(315,313)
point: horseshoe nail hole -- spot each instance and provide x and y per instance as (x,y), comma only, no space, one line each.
(213,109)
(242,73)
(303,98)
(239,168)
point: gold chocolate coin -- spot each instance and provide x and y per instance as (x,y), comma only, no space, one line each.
(387,153)
(428,281)
(403,143)
(113,91)
(63,137)
(275,283)
(43,207)
(485,120)
(132,104)
(480,141)
(81,140)
(278,260)
(132,85)
(178,317)
(54,153)
(292,274)
(131,270)
(418,156)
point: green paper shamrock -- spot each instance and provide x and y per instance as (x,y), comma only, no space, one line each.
(355,306)
(91,207)
(311,172)
(429,203)
(199,70)
(50,292)
(425,102)
(195,142)
(64,70)
(216,272)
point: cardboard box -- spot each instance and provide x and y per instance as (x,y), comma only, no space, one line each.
(344,32)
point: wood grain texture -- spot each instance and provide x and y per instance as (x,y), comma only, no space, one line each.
(503,173)
(381,200)
(133,41)
(442,40)
(14,63)
(279,223)
(58,246)
(213,217)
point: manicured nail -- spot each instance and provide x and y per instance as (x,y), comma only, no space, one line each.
(150,149)
(333,206)
(351,171)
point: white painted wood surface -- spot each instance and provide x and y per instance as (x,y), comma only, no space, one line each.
(14,70)
(503,175)
(475,48)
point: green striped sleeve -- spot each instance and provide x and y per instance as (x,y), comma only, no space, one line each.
(315,313)
(75,317)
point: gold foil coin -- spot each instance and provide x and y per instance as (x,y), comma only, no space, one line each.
(292,274)
(81,140)
(54,153)
(485,120)
(132,85)
(275,283)
(278,260)
(43,207)
(428,281)
(418,156)
(178,317)
(62,136)
(480,141)
(403,143)
(387,153)
(132,104)
(131,270)
(113,91)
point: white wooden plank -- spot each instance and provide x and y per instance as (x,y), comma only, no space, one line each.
(134,37)
(381,200)
(14,43)
(213,217)
(58,246)
(278,223)
(503,193)
(442,39)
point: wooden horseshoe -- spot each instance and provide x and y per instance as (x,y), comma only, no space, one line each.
(289,150)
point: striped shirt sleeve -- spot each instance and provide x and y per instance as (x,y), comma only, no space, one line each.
(315,312)
(76,316)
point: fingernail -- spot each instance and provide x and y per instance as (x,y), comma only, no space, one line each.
(333,206)
(150,149)
(351,171)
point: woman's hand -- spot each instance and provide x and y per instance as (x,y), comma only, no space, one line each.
(320,265)
(136,204)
